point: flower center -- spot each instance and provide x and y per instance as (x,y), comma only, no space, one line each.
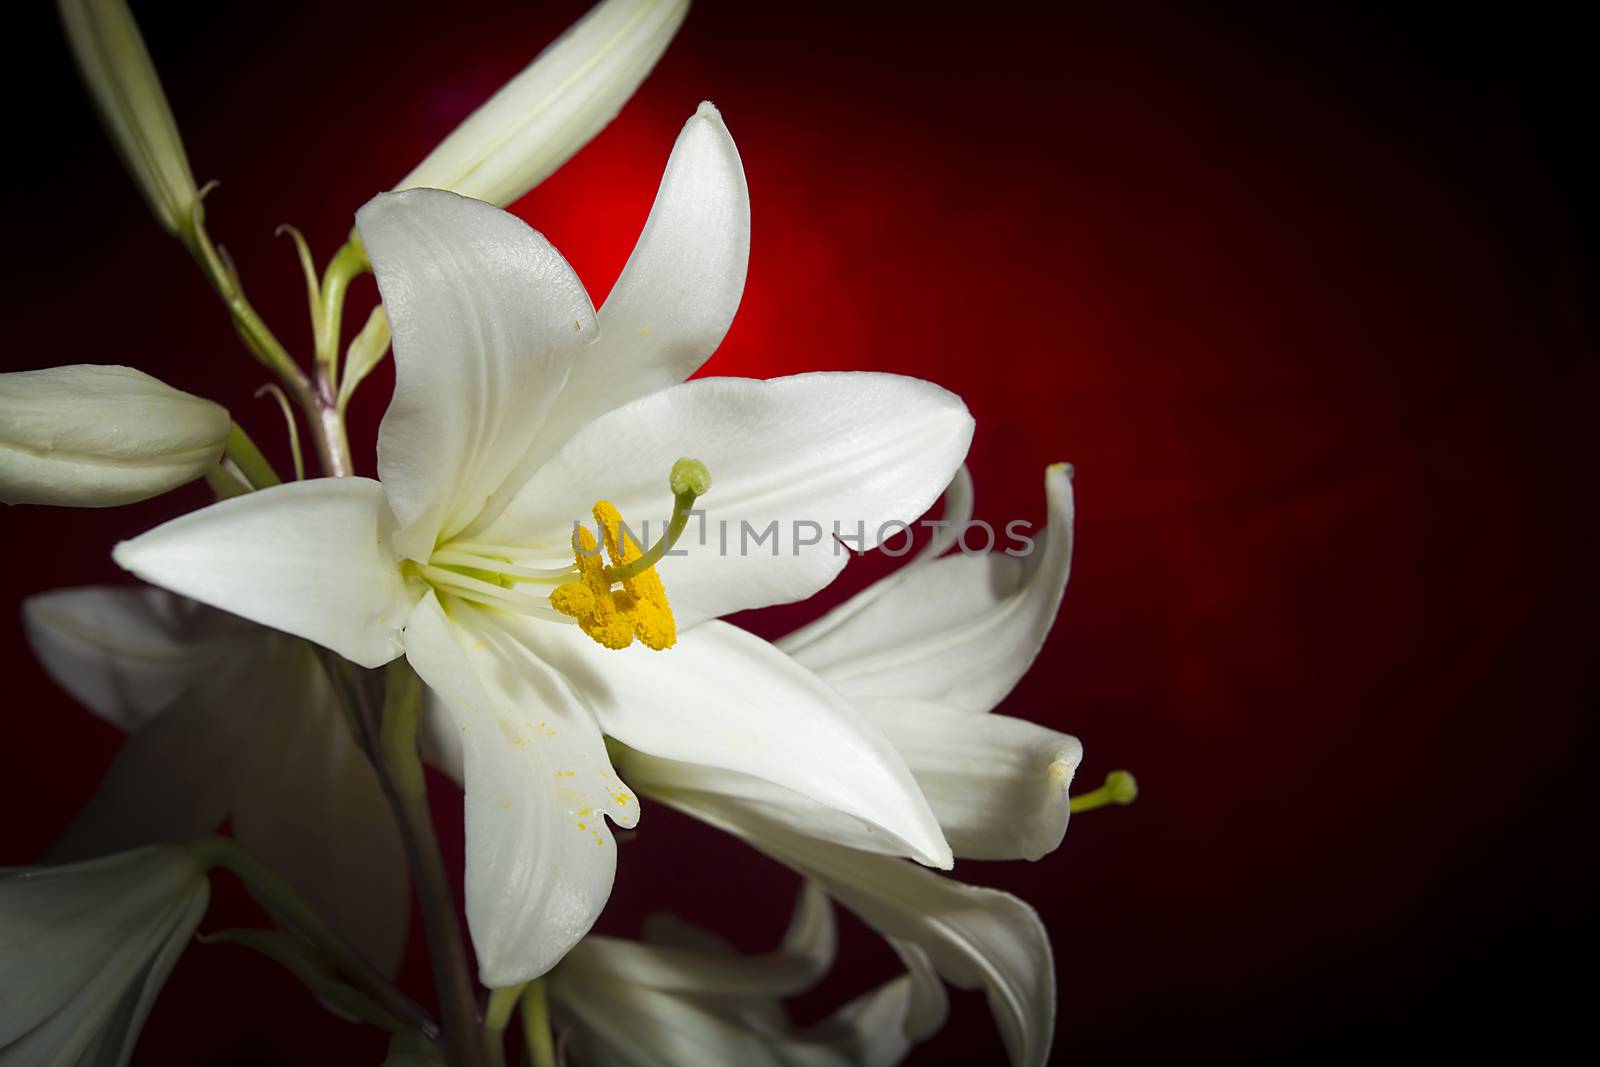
(585,593)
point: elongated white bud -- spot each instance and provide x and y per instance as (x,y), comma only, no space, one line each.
(117,70)
(555,106)
(92,436)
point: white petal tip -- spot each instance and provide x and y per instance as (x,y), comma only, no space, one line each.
(1066,469)
(707,110)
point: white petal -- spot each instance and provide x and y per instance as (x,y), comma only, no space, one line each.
(954,515)
(311,807)
(487,318)
(848,451)
(310,558)
(540,857)
(975,937)
(677,295)
(84,948)
(636,1026)
(127,653)
(960,630)
(795,966)
(723,698)
(571,90)
(94,437)
(997,784)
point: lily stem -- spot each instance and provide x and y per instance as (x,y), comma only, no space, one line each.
(536,1025)
(502,1002)
(400,771)
(288,906)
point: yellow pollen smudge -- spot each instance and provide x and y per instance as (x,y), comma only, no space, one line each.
(614,617)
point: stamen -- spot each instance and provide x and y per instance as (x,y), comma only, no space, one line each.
(475,589)
(450,554)
(614,617)
(1120,788)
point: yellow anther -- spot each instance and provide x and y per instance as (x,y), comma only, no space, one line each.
(614,617)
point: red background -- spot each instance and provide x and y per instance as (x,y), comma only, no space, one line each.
(1304,298)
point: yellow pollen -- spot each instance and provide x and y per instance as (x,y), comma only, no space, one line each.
(614,617)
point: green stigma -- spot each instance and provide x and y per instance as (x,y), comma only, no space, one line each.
(689,479)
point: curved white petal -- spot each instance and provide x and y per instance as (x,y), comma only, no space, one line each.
(798,456)
(127,653)
(540,857)
(698,1001)
(723,698)
(712,969)
(310,558)
(975,937)
(97,436)
(954,515)
(310,805)
(571,90)
(997,784)
(960,630)
(676,297)
(487,319)
(85,947)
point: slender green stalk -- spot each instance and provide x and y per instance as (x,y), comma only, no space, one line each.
(536,1025)
(349,263)
(287,905)
(502,1002)
(248,458)
(1120,788)
(400,771)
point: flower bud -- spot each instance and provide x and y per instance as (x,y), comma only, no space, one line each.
(555,106)
(85,948)
(92,436)
(117,70)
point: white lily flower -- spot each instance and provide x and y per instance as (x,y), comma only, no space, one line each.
(689,998)
(516,407)
(226,720)
(925,653)
(116,67)
(97,436)
(540,118)
(85,948)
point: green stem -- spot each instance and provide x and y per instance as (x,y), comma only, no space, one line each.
(400,771)
(287,905)
(536,1025)
(248,458)
(502,1002)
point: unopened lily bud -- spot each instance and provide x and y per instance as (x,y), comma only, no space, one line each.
(555,106)
(117,70)
(92,436)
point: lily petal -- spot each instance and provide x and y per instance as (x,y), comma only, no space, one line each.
(675,299)
(571,90)
(85,948)
(94,437)
(997,784)
(975,937)
(128,653)
(955,513)
(311,807)
(487,319)
(723,698)
(540,857)
(790,459)
(713,969)
(310,558)
(959,630)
